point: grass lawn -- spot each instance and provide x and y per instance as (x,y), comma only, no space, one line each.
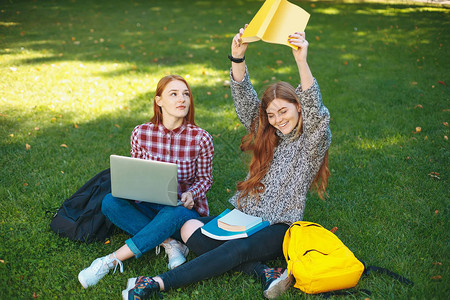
(77,76)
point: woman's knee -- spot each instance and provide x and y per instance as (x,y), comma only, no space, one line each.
(189,227)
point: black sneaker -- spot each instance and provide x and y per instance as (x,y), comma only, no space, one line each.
(144,288)
(278,281)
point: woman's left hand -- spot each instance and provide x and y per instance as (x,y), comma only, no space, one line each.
(298,39)
(187,200)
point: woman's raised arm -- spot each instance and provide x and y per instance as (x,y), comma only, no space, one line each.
(300,55)
(238,52)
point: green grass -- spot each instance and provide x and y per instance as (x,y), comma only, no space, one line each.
(81,74)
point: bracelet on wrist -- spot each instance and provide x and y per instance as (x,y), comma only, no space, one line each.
(236,60)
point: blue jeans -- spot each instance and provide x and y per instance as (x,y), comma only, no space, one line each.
(149,224)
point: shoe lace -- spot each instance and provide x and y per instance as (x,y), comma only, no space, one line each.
(118,263)
(165,245)
(143,282)
(158,249)
(273,273)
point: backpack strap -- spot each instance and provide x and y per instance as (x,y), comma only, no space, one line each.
(389,273)
(345,293)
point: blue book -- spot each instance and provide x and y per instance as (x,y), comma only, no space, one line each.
(212,230)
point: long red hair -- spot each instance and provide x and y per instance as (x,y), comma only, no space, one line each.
(262,140)
(157,112)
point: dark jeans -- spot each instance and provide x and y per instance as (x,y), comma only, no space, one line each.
(217,257)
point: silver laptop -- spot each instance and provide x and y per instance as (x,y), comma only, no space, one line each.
(144,180)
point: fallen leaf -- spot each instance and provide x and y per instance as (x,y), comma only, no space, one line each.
(334,229)
(25,184)
(117,125)
(63,145)
(279,62)
(445,137)
(346,63)
(317,38)
(27,146)
(436,212)
(228,190)
(418,106)
(75,125)
(2,261)
(437,263)
(35,296)
(208,93)
(442,82)
(434,175)
(418,129)
(36,128)
(437,277)
(414,83)
(62,172)
(226,96)
(107,242)
(445,123)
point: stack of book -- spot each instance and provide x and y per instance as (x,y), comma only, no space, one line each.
(233,224)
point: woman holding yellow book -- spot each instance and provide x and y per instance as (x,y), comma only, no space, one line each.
(289,136)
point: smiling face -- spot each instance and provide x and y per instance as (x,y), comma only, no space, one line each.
(174,102)
(283,115)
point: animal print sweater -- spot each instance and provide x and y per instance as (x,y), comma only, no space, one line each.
(295,160)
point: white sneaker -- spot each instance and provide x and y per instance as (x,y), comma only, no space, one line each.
(176,252)
(278,280)
(130,284)
(98,269)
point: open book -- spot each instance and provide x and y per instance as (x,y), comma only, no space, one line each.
(275,21)
(212,230)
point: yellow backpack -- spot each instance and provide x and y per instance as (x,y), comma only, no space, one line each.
(318,260)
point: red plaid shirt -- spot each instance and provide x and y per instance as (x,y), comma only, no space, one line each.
(189,146)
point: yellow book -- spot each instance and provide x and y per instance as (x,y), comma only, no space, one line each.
(275,21)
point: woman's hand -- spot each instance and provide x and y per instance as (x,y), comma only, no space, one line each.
(237,47)
(298,39)
(187,200)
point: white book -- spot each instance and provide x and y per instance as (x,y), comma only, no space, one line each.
(236,220)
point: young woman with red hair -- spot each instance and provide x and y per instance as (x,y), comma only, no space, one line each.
(170,136)
(289,137)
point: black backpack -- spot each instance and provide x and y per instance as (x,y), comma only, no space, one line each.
(80,217)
